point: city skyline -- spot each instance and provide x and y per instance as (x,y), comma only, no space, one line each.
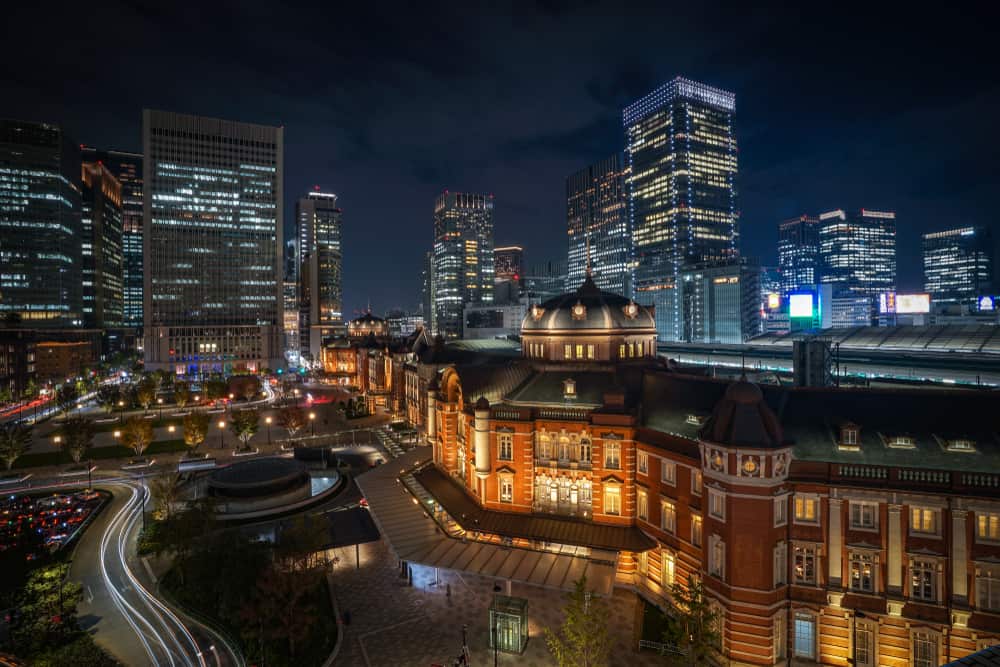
(805,124)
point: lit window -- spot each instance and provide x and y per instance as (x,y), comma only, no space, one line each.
(716,505)
(585,451)
(804,564)
(923,521)
(568,351)
(922,580)
(590,351)
(505,446)
(862,572)
(579,351)
(612,455)
(642,462)
(806,510)
(696,482)
(849,437)
(988,586)
(987,527)
(864,516)
(668,516)
(669,564)
(961,445)
(642,502)
(924,650)
(621,351)
(668,472)
(805,636)
(781,511)
(780,564)
(902,442)
(696,531)
(612,500)
(716,557)
(506,489)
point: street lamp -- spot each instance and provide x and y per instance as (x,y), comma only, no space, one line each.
(159,402)
(222,430)
(231,397)
(121,411)
(267,420)
(312,421)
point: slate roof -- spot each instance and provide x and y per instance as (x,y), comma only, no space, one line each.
(989,657)
(548,388)
(561,530)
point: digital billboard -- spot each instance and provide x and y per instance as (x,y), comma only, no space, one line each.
(800,305)
(913,303)
(887,302)
(987,303)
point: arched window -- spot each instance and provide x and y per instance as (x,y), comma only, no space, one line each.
(544,446)
(564,448)
(585,450)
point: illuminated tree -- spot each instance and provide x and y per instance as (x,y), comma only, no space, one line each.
(15,440)
(137,434)
(195,429)
(582,640)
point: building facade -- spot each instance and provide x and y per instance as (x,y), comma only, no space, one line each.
(321,293)
(798,253)
(463,257)
(493,320)
(958,264)
(681,156)
(127,168)
(720,303)
(40,229)
(828,526)
(102,249)
(858,251)
(212,244)
(508,263)
(597,226)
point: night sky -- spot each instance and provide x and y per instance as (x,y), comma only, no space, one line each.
(892,109)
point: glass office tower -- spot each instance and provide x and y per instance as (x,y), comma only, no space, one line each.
(212,244)
(597,226)
(101,249)
(508,263)
(463,257)
(958,264)
(127,168)
(798,253)
(681,155)
(858,251)
(321,293)
(41,269)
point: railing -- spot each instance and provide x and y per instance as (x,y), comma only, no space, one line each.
(981,479)
(510,415)
(662,648)
(863,472)
(560,413)
(924,476)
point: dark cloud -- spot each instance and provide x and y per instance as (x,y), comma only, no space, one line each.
(389,104)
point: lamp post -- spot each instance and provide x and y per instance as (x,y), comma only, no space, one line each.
(312,422)
(222,431)
(267,420)
(159,403)
(231,397)
(121,411)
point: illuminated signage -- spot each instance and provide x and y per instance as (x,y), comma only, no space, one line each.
(986,303)
(887,302)
(800,305)
(773,301)
(913,303)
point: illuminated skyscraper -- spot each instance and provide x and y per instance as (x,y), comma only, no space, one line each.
(798,253)
(321,294)
(958,264)
(127,168)
(508,263)
(463,257)
(858,251)
(101,250)
(681,155)
(212,244)
(41,268)
(427,293)
(597,216)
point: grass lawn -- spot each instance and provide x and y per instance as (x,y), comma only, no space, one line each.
(116,425)
(97,453)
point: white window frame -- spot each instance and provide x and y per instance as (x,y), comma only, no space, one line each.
(642,462)
(987,584)
(780,511)
(668,568)
(612,491)
(697,530)
(642,504)
(801,503)
(809,552)
(923,566)
(717,504)
(932,640)
(870,627)
(612,455)
(696,482)
(856,562)
(924,512)
(668,472)
(988,527)
(856,515)
(668,516)
(806,648)
(505,446)
(506,483)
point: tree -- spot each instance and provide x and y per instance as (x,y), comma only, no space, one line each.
(31,390)
(47,608)
(137,434)
(692,624)
(166,490)
(15,440)
(108,397)
(145,393)
(582,641)
(292,419)
(66,397)
(195,429)
(301,543)
(214,389)
(77,437)
(283,605)
(5,396)
(244,424)
(246,386)
(182,394)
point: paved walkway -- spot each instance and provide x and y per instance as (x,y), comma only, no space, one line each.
(394,624)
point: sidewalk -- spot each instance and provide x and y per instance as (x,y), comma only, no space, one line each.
(394,624)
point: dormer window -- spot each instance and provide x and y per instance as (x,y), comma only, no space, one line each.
(849,437)
(569,388)
(901,442)
(961,445)
(695,420)
(579,311)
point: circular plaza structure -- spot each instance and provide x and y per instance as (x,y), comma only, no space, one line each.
(259,484)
